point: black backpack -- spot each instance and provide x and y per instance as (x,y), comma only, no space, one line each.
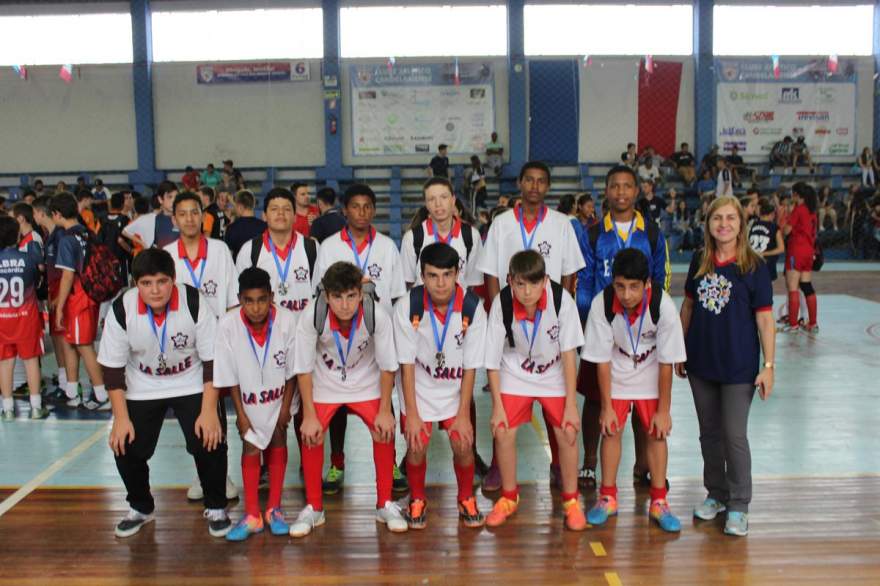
(192,303)
(417,307)
(507,307)
(653,305)
(467,237)
(308,244)
(369,303)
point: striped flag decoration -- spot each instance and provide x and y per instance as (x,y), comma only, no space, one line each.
(21,71)
(66,73)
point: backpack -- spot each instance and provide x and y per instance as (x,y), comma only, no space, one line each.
(653,305)
(417,307)
(651,230)
(101,277)
(308,244)
(192,303)
(507,307)
(369,304)
(467,237)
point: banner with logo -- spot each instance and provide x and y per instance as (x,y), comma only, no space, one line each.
(754,110)
(217,73)
(411,109)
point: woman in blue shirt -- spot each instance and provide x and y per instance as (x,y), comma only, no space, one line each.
(728,323)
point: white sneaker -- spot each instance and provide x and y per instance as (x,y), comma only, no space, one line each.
(708,509)
(392,515)
(132,523)
(231,489)
(74,402)
(218,522)
(92,404)
(195,492)
(307,520)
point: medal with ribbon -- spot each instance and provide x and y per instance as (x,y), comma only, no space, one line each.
(343,358)
(282,273)
(635,344)
(527,243)
(357,257)
(261,363)
(531,341)
(162,358)
(440,339)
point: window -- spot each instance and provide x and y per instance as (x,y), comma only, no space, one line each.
(819,30)
(594,29)
(233,35)
(423,31)
(78,39)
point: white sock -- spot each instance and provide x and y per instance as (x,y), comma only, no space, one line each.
(62,378)
(36,401)
(100,393)
(8,404)
(72,389)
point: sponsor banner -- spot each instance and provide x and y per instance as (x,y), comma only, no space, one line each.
(790,69)
(410,109)
(218,73)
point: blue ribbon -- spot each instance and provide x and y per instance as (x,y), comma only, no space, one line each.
(343,358)
(439,340)
(437,237)
(265,348)
(162,340)
(196,282)
(527,244)
(282,274)
(522,324)
(635,344)
(357,258)
(625,243)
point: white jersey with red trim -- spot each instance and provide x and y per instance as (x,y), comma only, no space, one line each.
(438,386)
(368,355)
(242,359)
(212,273)
(468,274)
(541,374)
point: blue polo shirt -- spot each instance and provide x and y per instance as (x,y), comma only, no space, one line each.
(722,338)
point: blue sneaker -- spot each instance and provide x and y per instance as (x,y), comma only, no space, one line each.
(737,524)
(277,525)
(708,509)
(245,528)
(661,513)
(605,507)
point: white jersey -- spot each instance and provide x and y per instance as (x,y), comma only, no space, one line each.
(438,386)
(660,343)
(468,274)
(553,237)
(187,344)
(242,359)
(379,261)
(541,375)
(293,293)
(367,356)
(213,273)
(724,183)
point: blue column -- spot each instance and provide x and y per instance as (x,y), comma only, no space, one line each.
(142,41)
(333,169)
(876,71)
(518,112)
(704,81)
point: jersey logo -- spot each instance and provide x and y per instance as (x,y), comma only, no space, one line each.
(713,292)
(280,358)
(374,271)
(606,268)
(459,338)
(363,345)
(554,332)
(209,289)
(544,248)
(179,340)
(301,274)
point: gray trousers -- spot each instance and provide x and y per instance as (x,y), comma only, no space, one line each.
(723,413)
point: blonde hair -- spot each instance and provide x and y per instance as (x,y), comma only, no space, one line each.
(747,260)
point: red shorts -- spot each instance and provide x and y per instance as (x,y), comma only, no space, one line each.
(426,437)
(518,409)
(25,349)
(81,327)
(588,381)
(366,410)
(645,409)
(799,259)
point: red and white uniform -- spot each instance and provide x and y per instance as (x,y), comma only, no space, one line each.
(438,388)
(801,245)
(293,293)
(21,327)
(468,274)
(212,272)
(187,345)
(243,359)
(80,311)
(31,239)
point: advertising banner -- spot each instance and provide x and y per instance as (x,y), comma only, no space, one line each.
(218,73)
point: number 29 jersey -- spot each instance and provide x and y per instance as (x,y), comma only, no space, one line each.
(19,314)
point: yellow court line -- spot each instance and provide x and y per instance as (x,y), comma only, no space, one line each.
(598,549)
(541,437)
(613,579)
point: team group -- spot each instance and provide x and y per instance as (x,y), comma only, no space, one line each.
(301,332)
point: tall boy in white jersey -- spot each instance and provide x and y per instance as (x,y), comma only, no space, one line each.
(379,260)
(288,257)
(157,351)
(254,359)
(442,225)
(439,330)
(346,365)
(531,342)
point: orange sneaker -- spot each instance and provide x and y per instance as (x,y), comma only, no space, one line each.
(416,514)
(469,514)
(504,507)
(574,515)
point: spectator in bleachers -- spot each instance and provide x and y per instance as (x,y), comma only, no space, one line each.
(235,174)
(495,155)
(650,205)
(649,171)
(504,201)
(39,188)
(331,219)
(724,183)
(210,176)
(246,226)
(738,167)
(826,208)
(685,163)
(190,180)
(586,211)
(305,211)
(60,187)
(629,157)
(710,161)
(80,184)
(28,197)
(674,221)
(100,192)
(651,153)
(439,165)
(800,154)
(477,182)
(866,165)
(780,154)
(706,184)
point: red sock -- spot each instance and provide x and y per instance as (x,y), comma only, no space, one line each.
(551,436)
(812,309)
(276,462)
(313,463)
(658,494)
(567,496)
(511,494)
(383,458)
(608,491)
(338,460)
(465,477)
(415,473)
(250,474)
(794,307)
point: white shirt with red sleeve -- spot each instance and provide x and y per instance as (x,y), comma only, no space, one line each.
(242,358)
(540,376)
(438,387)
(377,257)
(212,272)
(468,274)
(368,355)
(660,343)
